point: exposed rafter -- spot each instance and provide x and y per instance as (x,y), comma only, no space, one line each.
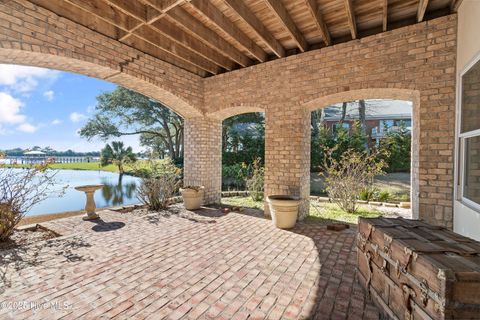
(351,18)
(422,7)
(209,37)
(244,12)
(385,15)
(164,5)
(277,7)
(455,4)
(317,15)
(216,17)
(179,36)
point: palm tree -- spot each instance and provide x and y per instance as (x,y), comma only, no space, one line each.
(118,155)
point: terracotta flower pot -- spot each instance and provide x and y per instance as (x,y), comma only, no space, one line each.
(284,210)
(405,205)
(192,197)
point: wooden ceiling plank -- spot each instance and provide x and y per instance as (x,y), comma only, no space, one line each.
(422,8)
(215,16)
(455,5)
(208,36)
(162,54)
(385,15)
(317,16)
(81,17)
(147,34)
(351,18)
(281,13)
(176,34)
(107,12)
(249,17)
(164,5)
(134,8)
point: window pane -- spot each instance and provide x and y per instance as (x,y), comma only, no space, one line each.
(471,185)
(471,99)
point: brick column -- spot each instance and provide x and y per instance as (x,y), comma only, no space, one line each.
(203,156)
(287,154)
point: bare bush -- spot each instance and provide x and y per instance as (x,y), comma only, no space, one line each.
(160,180)
(20,190)
(348,176)
(256,182)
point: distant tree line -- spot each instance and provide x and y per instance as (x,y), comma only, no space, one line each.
(17,152)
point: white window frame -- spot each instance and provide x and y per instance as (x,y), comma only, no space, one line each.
(460,144)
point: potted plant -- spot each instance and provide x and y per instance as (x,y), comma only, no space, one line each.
(192,196)
(284,210)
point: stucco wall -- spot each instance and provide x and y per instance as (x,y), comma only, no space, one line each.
(467,220)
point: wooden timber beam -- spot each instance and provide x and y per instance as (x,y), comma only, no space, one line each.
(281,13)
(207,36)
(351,18)
(130,24)
(385,15)
(164,5)
(422,8)
(179,36)
(317,15)
(455,4)
(215,16)
(249,17)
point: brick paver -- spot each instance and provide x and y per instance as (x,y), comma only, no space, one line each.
(202,266)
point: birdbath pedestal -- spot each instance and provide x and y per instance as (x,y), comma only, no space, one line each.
(90,205)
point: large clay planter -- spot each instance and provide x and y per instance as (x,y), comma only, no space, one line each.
(192,198)
(284,210)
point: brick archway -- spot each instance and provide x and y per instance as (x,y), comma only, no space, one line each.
(385,93)
(121,74)
(235,109)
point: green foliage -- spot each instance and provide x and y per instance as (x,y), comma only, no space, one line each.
(160,180)
(118,155)
(256,182)
(340,140)
(124,112)
(234,176)
(346,177)
(369,194)
(384,196)
(396,147)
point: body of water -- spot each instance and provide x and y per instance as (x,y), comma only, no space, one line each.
(116,191)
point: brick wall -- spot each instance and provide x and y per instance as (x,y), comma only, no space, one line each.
(413,62)
(416,62)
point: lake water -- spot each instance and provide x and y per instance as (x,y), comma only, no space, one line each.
(116,192)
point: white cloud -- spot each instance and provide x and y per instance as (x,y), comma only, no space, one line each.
(77,117)
(27,128)
(56,122)
(10,110)
(23,79)
(49,95)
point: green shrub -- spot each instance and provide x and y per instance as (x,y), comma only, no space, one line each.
(256,182)
(369,194)
(234,176)
(384,196)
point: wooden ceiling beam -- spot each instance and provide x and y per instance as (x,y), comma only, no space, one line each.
(249,17)
(107,12)
(164,5)
(455,4)
(147,34)
(134,8)
(179,36)
(281,13)
(84,18)
(215,16)
(422,8)
(207,36)
(317,16)
(385,15)
(164,55)
(351,18)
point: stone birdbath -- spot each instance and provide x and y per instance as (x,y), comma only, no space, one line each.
(90,205)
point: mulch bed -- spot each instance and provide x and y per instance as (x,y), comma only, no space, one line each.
(26,237)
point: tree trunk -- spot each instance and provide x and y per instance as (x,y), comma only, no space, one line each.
(314,123)
(344,112)
(363,122)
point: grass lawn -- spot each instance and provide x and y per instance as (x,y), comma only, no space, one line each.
(322,212)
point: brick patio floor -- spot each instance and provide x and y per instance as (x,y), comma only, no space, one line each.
(202,266)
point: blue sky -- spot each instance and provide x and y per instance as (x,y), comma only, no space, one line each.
(47,107)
